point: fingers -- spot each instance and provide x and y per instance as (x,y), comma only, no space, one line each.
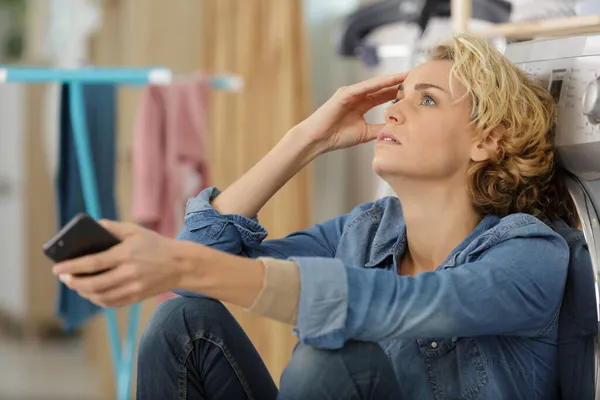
(94,262)
(114,288)
(383,96)
(375,84)
(120,229)
(375,99)
(98,284)
(128,293)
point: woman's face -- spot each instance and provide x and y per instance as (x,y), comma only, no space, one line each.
(431,135)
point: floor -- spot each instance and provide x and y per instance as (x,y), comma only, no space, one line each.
(45,371)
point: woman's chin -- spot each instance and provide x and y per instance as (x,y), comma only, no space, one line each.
(383,167)
(390,170)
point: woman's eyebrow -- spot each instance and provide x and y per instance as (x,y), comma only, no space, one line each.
(422,86)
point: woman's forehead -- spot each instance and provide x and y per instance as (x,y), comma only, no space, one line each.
(434,72)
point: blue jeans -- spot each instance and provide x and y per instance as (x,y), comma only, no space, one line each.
(193,348)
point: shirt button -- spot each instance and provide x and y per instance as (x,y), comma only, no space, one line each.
(434,345)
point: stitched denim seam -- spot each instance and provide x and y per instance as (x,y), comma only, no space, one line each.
(248,228)
(435,386)
(250,235)
(213,233)
(482,376)
(548,327)
(500,233)
(472,392)
(181,378)
(389,345)
(358,219)
(572,239)
(187,349)
(500,361)
(486,241)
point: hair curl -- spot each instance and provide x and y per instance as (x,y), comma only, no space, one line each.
(523,176)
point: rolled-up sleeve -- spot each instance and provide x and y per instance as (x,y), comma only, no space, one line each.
(514,288)
(236,234)
(226,232)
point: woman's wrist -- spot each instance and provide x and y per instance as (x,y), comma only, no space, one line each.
(247,195)
(219,275)
(303,141)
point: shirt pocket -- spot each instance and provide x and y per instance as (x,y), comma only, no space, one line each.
(455,368)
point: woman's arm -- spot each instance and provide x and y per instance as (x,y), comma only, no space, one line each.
(338,124)
(514,288)
(247,196)
(226,221)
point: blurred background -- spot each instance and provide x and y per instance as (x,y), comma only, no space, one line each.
(289,55)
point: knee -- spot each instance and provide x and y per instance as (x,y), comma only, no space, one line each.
(176,320)
(312,370)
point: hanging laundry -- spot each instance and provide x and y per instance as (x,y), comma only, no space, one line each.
(70,26)
(100,112)
(169,152)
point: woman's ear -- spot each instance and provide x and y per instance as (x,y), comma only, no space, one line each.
(484,149)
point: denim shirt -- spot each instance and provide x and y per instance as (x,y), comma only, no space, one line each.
(483,325)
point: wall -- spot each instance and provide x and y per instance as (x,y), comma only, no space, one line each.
(344,179)
(12,200)
(332,195)
(27,289)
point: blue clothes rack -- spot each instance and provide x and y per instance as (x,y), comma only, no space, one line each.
(122,357)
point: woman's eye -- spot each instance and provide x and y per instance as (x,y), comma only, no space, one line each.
(394,101)
(428,101)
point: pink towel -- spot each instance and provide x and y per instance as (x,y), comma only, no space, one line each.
(169,148)
(169,154)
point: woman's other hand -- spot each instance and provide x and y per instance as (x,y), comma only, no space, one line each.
(143,265)
(340,122)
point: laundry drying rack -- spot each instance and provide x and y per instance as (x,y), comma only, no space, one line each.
(569,26)
(76,77)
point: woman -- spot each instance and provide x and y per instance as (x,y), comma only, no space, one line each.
(454,294)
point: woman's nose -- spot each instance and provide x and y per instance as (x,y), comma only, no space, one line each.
(393,114)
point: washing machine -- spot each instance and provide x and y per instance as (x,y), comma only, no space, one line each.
(570,67)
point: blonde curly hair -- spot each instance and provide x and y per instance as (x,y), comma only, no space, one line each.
(523,175)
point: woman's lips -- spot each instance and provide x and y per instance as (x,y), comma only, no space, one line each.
(388,138)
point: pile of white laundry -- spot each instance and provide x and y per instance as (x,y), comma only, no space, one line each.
(530,10)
